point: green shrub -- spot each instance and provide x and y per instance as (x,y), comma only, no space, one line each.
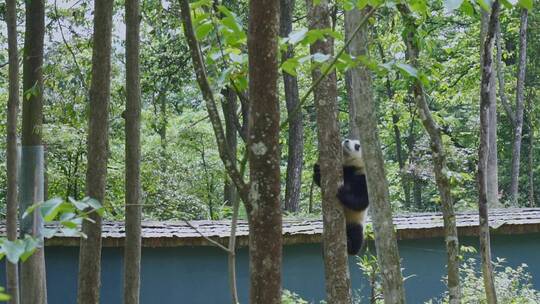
(513,285)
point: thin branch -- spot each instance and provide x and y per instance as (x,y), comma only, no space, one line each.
(213,242)
(68,47)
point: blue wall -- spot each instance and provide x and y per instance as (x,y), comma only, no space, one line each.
(199,274)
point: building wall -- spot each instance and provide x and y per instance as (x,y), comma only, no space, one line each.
(198,275)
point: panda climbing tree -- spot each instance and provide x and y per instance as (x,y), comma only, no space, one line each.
(353,194)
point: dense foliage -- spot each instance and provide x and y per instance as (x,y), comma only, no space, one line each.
(182,175)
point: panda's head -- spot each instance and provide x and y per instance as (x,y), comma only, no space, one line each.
(352,154)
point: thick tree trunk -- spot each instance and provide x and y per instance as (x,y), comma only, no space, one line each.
(231,135)
(338,283)
(265,237)
(385,237)
(492,169)
(98,147)
(12,272)
(132,250)
(518,126)
(440,167)
(381,214)
(483,153)
(356,48)
(296,128)
(33,285)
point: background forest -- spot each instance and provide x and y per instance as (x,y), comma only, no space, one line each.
(182,175)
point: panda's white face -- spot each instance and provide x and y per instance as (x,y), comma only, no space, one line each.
(352,153)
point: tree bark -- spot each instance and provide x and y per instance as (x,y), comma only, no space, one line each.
(518,125)
(33,285)
(230,107)
(483,153)
(531,156)
(98,147)
(132,250)
(296,125)
(492,170)
(356,48)
(381,214)
(12,272)
(440,167)
(265,224)
(338,283)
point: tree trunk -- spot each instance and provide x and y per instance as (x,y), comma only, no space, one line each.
(98,147)
(132,250)
(231,136)
(33,285)
(440,167)
(12,272)
(381,214)
(353,127)
(265,237)
(483,153)
(296,128)
(492,170)
(531,159)
(338,283)
(518,126)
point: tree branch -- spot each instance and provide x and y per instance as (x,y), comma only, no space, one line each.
(208,95)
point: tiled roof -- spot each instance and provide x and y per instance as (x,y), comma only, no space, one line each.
(409,226)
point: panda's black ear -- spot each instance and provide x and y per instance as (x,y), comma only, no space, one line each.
(357,147)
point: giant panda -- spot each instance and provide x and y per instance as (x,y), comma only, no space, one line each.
(353,194)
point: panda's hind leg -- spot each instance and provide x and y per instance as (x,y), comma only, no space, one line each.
(355,238)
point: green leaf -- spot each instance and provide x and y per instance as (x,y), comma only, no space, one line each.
(50,209)
(297,36)
(289,66)
(419,6)
(3,296)
(31,245)
(320,57)
(13,250)
(70,232)
(48,232)
(451,5)
(361,4)
(528,4)
(94,204)
(467,8)
(202,30)
(348,5)
(240,58)
(407,70)
(485,4)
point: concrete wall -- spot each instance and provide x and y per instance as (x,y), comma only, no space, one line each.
(196,275)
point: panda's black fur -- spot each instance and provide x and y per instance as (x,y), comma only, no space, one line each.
(353,195)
